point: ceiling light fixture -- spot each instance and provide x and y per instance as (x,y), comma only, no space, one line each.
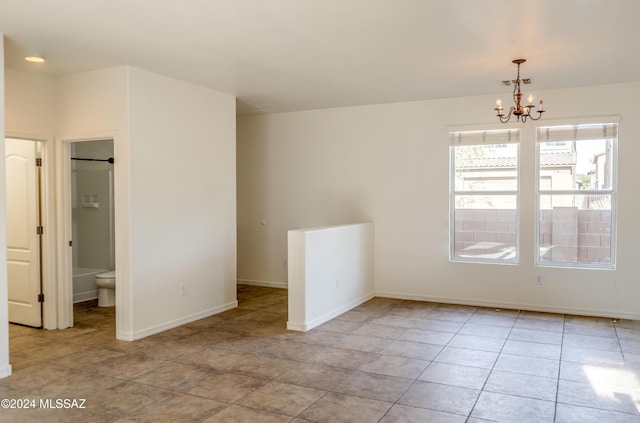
(519,111)
(34,59)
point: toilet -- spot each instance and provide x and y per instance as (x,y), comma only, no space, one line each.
(106,283)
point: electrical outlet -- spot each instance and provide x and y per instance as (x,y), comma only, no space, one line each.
(538,280)
(184,289)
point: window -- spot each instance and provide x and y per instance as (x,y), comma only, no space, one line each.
(484,196)
(576,167)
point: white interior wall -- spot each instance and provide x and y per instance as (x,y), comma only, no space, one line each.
(30,104)
(390,164)
(5,367)
(183,201)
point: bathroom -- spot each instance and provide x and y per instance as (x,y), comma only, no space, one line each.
(92,224)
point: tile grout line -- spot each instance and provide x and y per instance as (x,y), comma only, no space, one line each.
(493,367)
(416,378)
(555,407)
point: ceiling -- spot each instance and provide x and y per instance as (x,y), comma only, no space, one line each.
(290,55)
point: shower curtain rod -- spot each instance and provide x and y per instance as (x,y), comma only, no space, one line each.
(110,160)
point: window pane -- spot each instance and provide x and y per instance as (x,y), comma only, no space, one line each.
(575,229)
(487,167)
(571,165)
(485,227)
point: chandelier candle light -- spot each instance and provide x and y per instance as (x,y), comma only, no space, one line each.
(521,112)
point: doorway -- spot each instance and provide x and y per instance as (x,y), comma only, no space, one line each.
(92,217)
(23,160)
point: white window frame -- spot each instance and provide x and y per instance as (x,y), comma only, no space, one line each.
(612,192)
(493,136)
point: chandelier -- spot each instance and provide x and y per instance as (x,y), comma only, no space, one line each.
(519,111)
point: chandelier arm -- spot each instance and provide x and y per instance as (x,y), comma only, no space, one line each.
(540,112)
(507,117)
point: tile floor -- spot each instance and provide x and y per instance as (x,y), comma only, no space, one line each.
(385,361)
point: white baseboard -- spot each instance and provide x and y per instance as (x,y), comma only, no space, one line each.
(175,323)
(305,326)
(297,326)
(125,336)
(267,284)
(85,296)
(5,371)
(614,314)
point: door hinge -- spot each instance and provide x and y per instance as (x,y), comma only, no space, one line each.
(38,162)
(41,298)
(39,230)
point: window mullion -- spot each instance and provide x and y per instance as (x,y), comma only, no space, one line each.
(576,192)
(485,192)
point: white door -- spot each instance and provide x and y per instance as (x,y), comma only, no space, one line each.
(23,240)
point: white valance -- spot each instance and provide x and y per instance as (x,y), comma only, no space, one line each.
(498,136)
(578,132)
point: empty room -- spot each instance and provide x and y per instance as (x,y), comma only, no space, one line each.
(286,211)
